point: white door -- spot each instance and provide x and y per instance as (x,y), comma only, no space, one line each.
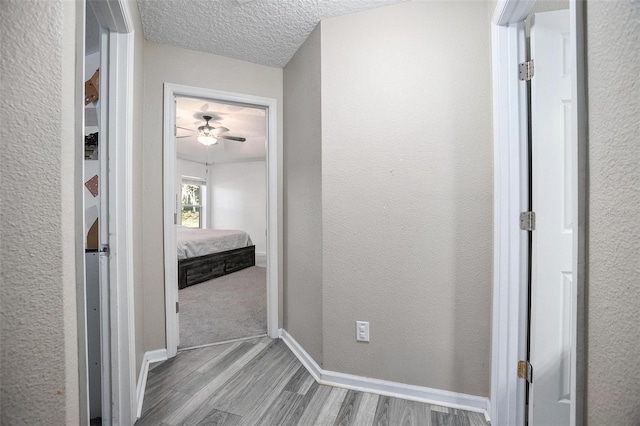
(552,284)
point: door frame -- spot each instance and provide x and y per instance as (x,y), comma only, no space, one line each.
(511,195)
(170,203)
(119,399)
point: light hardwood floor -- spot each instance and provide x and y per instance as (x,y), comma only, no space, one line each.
(260,382)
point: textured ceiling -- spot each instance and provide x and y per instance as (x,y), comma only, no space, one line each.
(267,32)
(246,122)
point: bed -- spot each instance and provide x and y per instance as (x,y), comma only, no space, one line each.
(204,254)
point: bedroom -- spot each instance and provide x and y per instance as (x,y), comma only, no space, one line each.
(220,186)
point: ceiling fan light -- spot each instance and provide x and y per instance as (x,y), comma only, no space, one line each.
(207,140)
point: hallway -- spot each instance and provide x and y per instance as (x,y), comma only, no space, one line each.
(260,382)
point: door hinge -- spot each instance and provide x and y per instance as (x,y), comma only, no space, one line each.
(177,307)
(175,218)
(525,371)
(525,70)
(104,248)
(528,221)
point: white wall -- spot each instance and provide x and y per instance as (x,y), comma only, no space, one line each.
(613,228)
(238,201)
(38,331)
(407,194)
(175,65)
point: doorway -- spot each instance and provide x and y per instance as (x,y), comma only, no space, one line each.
(211,111)
(221,224)
(516,239)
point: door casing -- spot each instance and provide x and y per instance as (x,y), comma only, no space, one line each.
(169,169)
(117,319)
(511,196)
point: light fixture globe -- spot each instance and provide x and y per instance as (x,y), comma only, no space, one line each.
(207,140)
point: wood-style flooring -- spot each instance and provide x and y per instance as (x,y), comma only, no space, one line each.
(260,382)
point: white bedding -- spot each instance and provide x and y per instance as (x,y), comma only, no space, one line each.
(199,242)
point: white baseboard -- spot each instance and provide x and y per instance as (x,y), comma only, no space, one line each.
(149,357)
(443,398)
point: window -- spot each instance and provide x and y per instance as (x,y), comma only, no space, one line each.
(192,210)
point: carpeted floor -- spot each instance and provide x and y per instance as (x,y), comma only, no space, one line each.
(225,308)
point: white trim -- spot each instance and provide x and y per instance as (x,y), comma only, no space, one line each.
(117,306)
(427,395)
(170,204)
(511,11)
(148,358)
(510,243)
(303,356)
(509,322)
(579,133)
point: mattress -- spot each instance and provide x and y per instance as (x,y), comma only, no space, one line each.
(200,242)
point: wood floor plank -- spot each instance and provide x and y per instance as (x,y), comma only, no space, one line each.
(314,406)
(220,418)
(205,415)
(159,411)
(439,408)
(258,379)
(297,380)
(257,412)
(299,409)
(195,381)
(409,413)
(331,407)
(366,410)
(349,408)
(449,419)
(476,419)
(381,417)
(281,408)
(179,415)
(306,385)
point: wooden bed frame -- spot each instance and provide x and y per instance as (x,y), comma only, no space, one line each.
(203,268)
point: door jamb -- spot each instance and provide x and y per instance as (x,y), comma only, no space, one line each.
(118,323)
(509,322)
(170,203)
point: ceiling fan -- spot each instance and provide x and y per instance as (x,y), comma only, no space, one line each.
(208,135)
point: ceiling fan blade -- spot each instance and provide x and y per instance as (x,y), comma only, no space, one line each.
(184,128)
(180,137)
(220,129)
(232,138)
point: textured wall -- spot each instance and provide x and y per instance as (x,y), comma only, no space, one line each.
(613,236)
(38,356)
(302,201)
(175,65)
(407,194)
(137,161)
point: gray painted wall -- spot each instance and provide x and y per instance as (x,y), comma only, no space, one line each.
(302,201)
(137,160)
(613,235)
(181,66)
(407,181)
(39,349)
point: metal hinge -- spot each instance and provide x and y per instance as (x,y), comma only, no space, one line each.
(528,221)
(525,70)
(177,307)
(104,248)
(175,218)
(525,371)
